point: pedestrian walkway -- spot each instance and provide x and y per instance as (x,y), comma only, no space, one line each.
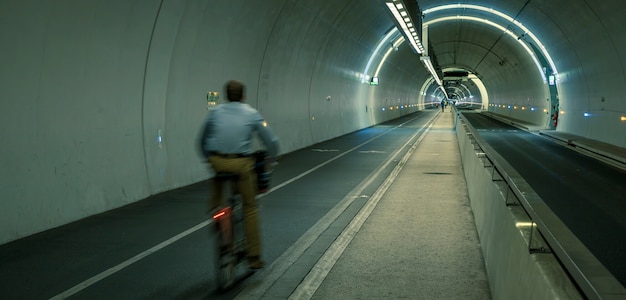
(419,241)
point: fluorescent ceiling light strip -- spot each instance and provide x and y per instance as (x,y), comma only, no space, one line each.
(506,17)
(444,91)
(431,69)
(402,21)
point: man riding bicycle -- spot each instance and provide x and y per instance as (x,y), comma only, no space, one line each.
(226,143)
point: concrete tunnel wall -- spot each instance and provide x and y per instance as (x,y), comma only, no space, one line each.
(587,44)
(102,101)
(513,272)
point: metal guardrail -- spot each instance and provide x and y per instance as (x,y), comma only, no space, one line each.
(587,272)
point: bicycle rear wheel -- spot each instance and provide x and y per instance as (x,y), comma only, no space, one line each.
(224,268)
(224,256)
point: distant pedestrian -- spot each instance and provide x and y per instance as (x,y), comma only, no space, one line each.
(443,105)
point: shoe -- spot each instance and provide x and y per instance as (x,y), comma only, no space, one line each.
(255,263)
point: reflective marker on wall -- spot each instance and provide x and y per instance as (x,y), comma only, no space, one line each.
(160,139)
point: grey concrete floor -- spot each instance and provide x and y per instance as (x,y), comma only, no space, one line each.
(420,242)
(416,240)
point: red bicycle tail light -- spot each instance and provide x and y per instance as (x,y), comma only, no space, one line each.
(221,213)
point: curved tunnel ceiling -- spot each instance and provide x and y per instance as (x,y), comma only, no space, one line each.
(484,41)
(493,17)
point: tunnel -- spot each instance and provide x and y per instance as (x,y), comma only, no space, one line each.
(102,101)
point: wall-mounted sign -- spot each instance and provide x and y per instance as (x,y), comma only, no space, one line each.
(212,98)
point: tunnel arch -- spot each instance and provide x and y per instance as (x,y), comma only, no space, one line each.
(473,44)
(508,18)
(500,27)
(516,30)
(538,54)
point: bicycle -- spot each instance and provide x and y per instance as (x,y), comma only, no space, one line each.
(229,237)
(230,256)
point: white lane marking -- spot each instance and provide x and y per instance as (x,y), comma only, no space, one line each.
(263,281)
(332,159)
(85,284)
(325,150)
(372,151)
(307,288)
(79,287)
(258,286)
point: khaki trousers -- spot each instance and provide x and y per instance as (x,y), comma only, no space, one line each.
(244,167)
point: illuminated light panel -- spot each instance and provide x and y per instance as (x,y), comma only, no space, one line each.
(404,22)
(623,118)
(506,17)
(524,224)
(586,114)
(429,66)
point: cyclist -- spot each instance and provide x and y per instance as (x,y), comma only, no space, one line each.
(226,142)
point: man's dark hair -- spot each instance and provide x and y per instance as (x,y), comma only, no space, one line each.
(234,90)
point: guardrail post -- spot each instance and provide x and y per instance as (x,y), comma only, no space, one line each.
(506,198)
(494,171)
(541,248)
